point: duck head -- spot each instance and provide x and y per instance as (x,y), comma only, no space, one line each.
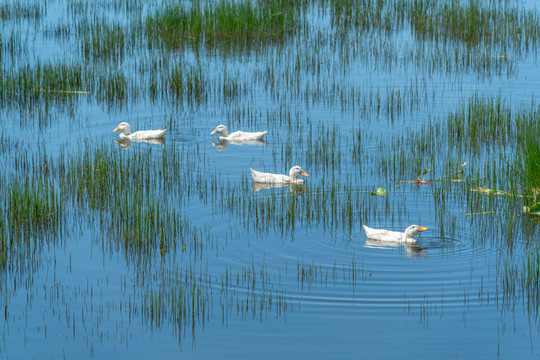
(221,129)
(412,231)
(124,128)
(295,172)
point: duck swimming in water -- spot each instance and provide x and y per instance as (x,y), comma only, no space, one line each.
(138,135)
(237,135)
(295,171)
(409,236)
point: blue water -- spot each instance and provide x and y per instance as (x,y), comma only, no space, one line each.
(334,293)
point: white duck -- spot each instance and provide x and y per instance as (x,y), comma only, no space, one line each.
(138,135)
(409,236)
(260,177)
(238,136)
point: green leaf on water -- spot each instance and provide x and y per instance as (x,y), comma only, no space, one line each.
(379,191)
(485,190)
(426,171)
(533,209)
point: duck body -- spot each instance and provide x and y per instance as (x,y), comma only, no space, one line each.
(138,135)
(237,136)
(409,236)
(292,178)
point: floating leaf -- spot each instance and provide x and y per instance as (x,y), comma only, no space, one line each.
(485,190)
(65,91)
(421,182)
(379,191)
(482,213)
(426,170)
(533,209)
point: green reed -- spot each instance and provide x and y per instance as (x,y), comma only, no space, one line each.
(529,160)
(186,298)
(224,21)
(101,40)
(21,10)
(475,23)
(472,23)
(33,212)
(486,121)
(113,87)
(43,79)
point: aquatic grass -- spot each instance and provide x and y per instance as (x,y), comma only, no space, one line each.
(33,208)
(113,87)
(135,197)
(451,36)
(22,10)
(63,84)
(530,280)
(366,15)
(30,87)
(527,166)
(77,8)
(103,41)
(32,214)
(186,299)
(140,201)
(487,121)
(224,21)
(323,150)
(474,23)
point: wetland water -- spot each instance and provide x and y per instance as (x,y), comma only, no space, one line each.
(401,112)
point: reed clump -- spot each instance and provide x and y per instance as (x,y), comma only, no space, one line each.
(473,23)
(103,41)
(21,10)
(32,214)
(31,86)
(225,21)
(529,161)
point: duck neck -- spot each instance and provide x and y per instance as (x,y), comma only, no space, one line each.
(293,177)
(407,239)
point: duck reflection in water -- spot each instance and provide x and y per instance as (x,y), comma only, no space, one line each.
(410,249)
(294,189)
(222,144)
(126,143)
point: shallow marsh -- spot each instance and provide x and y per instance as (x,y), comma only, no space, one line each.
(402,112)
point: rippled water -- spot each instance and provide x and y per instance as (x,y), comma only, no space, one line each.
(268,272)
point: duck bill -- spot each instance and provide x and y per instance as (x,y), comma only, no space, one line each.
(421,228)
(304,173)
(116,129)
(213,132)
